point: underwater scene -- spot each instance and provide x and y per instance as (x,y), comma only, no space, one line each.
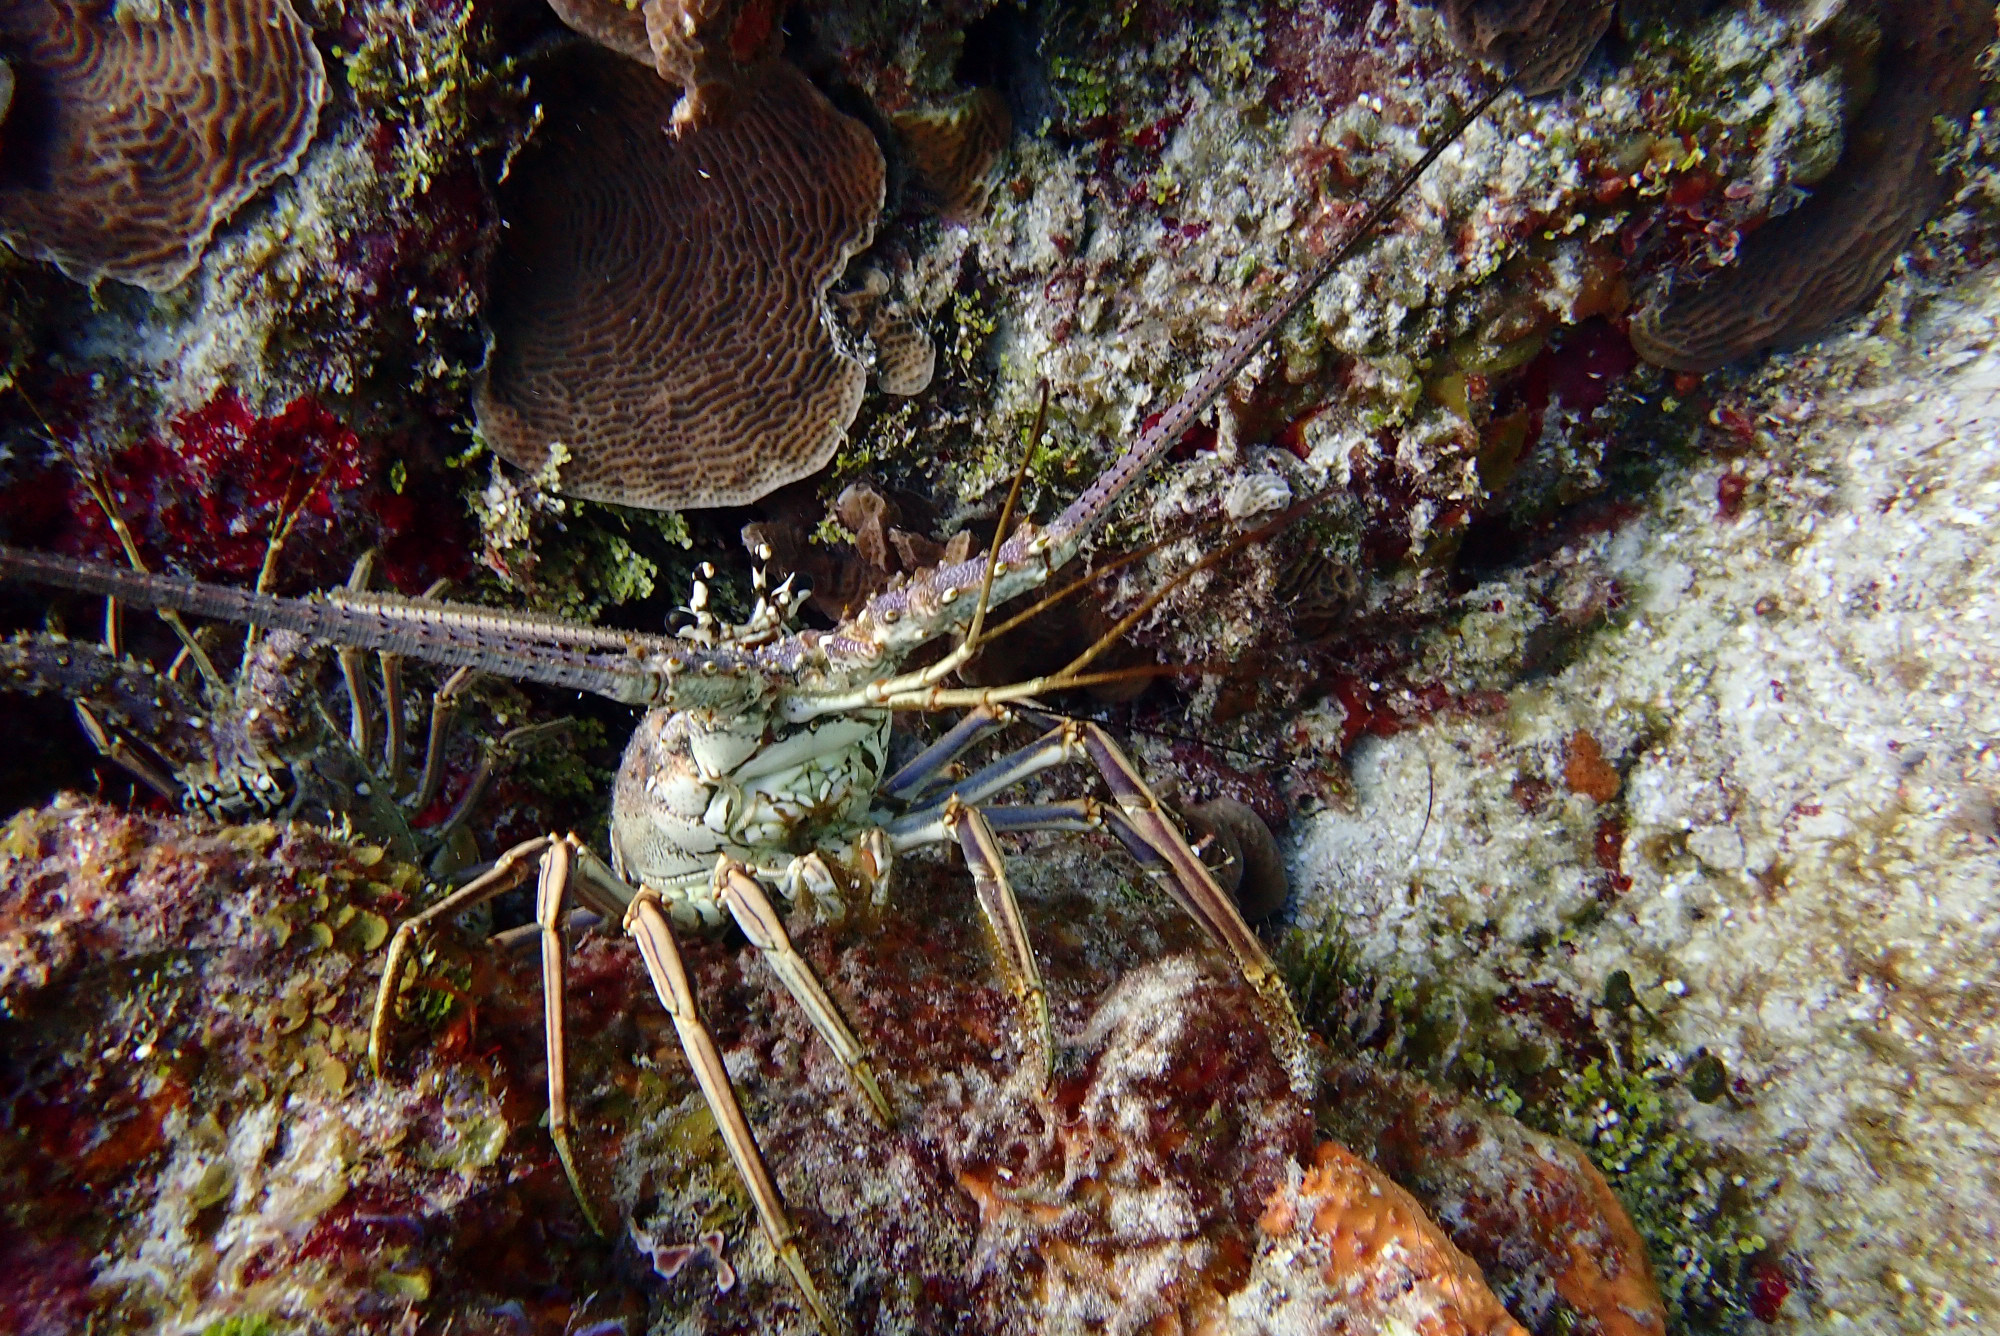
(999,666)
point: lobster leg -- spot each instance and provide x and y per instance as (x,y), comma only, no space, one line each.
(444,710)
(927,769)
(554,881)
(1142,825)
(393,741)
(647,924)
(115,748)
(1003,919)
(507,872)
(761,923)
(1180,870)
(354,671)
(1060,745)
(492,756)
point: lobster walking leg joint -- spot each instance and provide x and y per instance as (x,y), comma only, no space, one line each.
(648,926)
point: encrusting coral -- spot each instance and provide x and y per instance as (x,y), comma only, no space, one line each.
(657,302)
(610,23)
(138,129)
(711,49)
(1379,1263)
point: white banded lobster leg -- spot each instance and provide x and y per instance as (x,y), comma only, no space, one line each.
(926,771)
(117,750)
(1185,877)
(647,924)
(1143,825)
(753,911)
(552,855)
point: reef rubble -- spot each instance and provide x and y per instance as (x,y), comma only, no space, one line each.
(194,1144)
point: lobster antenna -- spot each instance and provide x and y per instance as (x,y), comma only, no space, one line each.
(618,664)
(1050,547)
(918,697)
(1065,676)
(1092,576)
(100,492)
(1089,508)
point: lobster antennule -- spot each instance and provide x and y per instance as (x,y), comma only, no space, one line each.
(629,667)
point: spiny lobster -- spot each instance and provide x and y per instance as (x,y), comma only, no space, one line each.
(760,740)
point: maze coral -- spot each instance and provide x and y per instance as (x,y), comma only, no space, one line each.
(148,126)
(643,272)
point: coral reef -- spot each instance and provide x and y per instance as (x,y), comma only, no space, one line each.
(194,1143)
(1622,727)
(642,273)
(190,1145)
(1801,272)
(133,131)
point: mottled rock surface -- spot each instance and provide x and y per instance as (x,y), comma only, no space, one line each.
(1796,877)
(196,1141)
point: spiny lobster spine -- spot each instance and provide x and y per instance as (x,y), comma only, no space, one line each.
(609,663)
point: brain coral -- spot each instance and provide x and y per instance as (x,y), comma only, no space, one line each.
(136,131)
(657,302)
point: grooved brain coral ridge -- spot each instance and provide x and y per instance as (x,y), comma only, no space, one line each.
(132,137)
(657,303)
